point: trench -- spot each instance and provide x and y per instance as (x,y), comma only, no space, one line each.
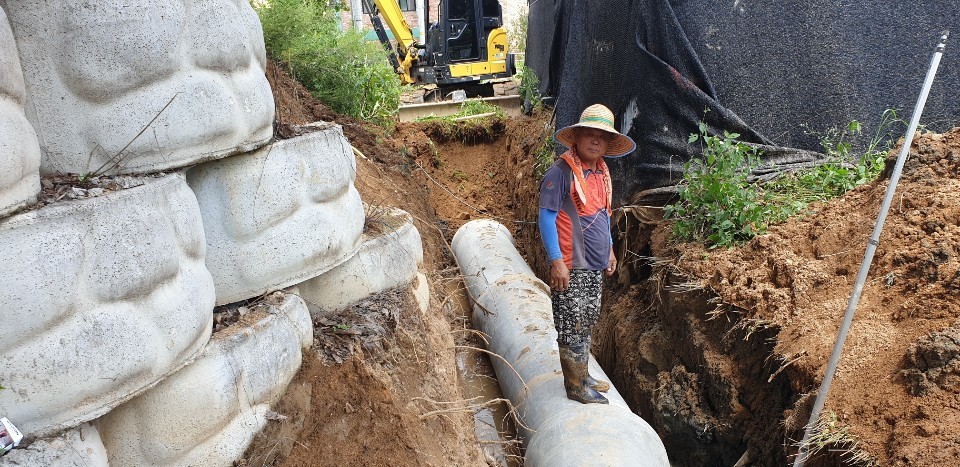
(702,387)
(496,434)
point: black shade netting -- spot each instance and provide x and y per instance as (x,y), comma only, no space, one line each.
(781,74)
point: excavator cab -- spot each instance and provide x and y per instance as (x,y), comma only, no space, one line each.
(466,48)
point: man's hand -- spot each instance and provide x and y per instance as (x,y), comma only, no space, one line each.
(559,275)
(612,268)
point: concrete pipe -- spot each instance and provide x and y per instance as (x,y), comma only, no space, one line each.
(512,306)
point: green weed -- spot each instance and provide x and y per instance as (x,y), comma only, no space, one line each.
(488,124)
(528,89)
(717,205)
(460,176)
(339,68)
(544,154)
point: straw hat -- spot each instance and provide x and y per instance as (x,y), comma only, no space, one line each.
(599,117)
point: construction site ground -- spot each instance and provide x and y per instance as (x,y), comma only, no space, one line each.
(720,350)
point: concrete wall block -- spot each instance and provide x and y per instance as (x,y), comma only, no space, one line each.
(19,150)
(98,72)
(101,298)
(78,447)
(207,413)
(279,215)
(388,258)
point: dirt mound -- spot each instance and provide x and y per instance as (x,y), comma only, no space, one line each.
(295,105)
(795,283)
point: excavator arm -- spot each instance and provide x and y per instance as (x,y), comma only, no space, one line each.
(406,55)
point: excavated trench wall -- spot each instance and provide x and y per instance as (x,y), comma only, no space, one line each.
(183,201)
(706,381)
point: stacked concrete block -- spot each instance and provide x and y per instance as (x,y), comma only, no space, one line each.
(101,299)
(279,215)
(207,413)
(143,86)
(19,151)
(77,447)
(389,257)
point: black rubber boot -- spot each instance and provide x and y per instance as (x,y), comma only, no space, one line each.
(597,384)
(573,360)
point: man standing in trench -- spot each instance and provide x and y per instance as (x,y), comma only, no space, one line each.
(575,206)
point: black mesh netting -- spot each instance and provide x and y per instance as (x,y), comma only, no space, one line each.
(779,73)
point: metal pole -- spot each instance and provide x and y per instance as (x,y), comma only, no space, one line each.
(356,15)
(803,453)
(422,20)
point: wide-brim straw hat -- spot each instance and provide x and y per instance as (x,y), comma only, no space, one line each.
(600,117)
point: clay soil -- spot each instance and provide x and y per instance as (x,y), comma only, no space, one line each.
(902,409)
(720,350)
(724,350)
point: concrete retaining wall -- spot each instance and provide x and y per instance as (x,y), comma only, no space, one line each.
(207,413)
(387,258)
(19,151)
(79,447)
(97,72)
(279,215)
(107,300)
(101,298)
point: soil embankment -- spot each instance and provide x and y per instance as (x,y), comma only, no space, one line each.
(725,348)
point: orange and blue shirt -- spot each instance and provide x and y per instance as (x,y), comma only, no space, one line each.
(577,232)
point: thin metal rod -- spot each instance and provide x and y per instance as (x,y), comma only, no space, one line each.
(803,453)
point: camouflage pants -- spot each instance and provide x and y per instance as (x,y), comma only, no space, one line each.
(577,309)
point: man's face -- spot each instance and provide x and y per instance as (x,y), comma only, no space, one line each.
(592,143)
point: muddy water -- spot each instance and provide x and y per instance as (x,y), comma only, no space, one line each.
(492,420)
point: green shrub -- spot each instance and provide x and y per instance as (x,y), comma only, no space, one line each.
(717,205)
(340,68)
(527,89)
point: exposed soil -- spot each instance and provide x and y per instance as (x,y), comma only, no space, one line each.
(381,385)
(733,343)
(721,351)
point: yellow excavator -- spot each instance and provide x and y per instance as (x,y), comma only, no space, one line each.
(466,49)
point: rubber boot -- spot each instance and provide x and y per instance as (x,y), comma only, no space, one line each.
(597,384)
(573,360)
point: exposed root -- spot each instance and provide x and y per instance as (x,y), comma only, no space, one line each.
(472,406)
(478,349)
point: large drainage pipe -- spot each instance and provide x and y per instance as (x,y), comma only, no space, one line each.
(512,307)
